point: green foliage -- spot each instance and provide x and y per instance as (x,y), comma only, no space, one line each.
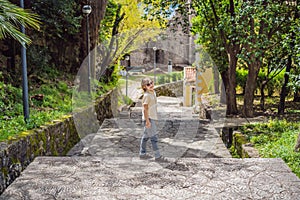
(41,63)
(123,29)
(58,42)
(47,102)
(126,100)
(11,99)
(167,78)
(276,139)
(274,80)
(256,33)
(241,78)
(274,85)
(108,21)
(174,77)
(209,36)
(61,18)
(105,83)
(294,84)
(161,79)
(81,99)
(102,88)
(11,17)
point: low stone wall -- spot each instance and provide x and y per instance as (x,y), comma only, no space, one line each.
(174,89)
(238,142)
(243,148)
(53,139)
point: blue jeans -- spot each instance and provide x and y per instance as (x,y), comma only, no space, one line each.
(150,133)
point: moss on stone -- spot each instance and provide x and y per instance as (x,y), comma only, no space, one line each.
(4,171)
(53,138)
(239,140)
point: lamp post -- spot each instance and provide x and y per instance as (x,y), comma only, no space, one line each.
(86,10)
(127,58)
(24,75)
(154,62)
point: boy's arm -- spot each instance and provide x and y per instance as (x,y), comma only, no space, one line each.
(146,115)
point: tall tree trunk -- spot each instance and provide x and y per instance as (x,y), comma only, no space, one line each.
(284,89)
(229,80)
(248,109)
(232,49)
(262,95)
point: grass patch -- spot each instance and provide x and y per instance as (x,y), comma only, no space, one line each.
(276,139)
(48,100)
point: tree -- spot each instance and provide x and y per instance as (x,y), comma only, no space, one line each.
(12,17)
(216,24)
(246,30)
(220,18)
(265,76)
(290,41)
(263,22)
(122,31)
(65,24)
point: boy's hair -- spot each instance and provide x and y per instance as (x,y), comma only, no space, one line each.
(144,82)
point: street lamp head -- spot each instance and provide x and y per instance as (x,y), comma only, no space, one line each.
(154,48)
(86,9)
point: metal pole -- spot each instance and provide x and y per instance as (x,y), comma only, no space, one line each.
(190,36)
(154,74)
(127,58)
(126,83)
(24,75)
(88,52)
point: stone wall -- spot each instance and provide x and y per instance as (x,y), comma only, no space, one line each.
(174,89)
(238,143)
(53,139)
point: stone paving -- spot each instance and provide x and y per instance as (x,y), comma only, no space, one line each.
(105,165)
(111,178)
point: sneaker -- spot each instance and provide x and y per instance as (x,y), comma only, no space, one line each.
(145,156)
(161,159)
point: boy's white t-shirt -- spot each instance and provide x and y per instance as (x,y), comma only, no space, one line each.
(150,99)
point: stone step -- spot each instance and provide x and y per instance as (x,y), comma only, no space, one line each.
(94,178)
(177,138)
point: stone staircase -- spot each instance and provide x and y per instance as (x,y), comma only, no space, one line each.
(105,165)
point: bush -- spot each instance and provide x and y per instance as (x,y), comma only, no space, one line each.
(168,78)
(161,79)
(174,77)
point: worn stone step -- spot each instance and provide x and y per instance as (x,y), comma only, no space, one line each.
(93,178)
(177,138)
